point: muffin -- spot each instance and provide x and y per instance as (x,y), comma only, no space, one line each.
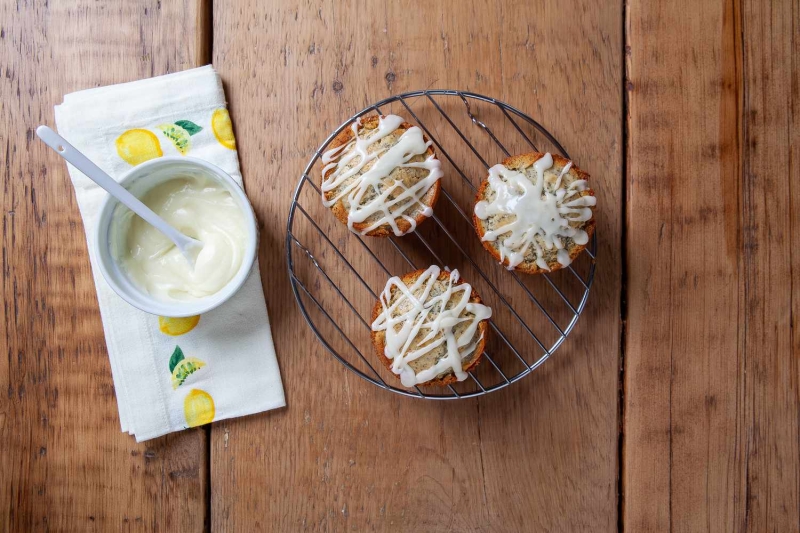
(381,176)
(534,212)
(429,328)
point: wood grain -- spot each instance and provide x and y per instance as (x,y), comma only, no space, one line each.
(345,455)
(769,273)
(711,375)
(65,465)
(711,401)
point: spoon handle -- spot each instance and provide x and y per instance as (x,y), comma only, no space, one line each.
(97,175)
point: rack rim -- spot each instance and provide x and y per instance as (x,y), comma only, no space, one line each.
(297,285)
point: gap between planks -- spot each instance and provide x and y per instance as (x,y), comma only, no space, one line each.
(623,292)
(204,45)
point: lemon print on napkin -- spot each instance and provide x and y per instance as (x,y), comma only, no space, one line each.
(177,326)
(137,146)
(180,134)
(182,367)
(223,128)
(198,408)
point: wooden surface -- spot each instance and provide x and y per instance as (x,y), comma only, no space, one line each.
(64,464)
(711,359)
(345,455)
(689,127)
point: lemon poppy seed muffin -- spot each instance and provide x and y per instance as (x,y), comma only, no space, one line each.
(534,212)
(381,176)
(429,327)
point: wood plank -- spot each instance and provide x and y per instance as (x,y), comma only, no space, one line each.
(344,454)
(711,397)
(770,457)
(65,465)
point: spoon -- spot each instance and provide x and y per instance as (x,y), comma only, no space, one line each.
(188,246)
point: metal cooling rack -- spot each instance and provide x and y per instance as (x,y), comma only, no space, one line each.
(358,355)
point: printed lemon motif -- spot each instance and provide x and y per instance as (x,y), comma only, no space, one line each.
(180,138)
(184,369)
(137,146)
(198,408)
(177,326)
(223,129)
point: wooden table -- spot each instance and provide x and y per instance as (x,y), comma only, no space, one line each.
(673,406)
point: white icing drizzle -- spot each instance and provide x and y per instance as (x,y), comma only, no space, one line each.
(537,211)
(411,143)
(439,325)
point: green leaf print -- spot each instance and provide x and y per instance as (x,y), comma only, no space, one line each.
(177,357)
(189,126)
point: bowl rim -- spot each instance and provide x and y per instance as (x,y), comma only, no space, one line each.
(144,301)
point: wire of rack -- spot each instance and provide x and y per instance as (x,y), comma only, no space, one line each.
(409,101)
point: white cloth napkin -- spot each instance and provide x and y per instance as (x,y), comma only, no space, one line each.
(232,345)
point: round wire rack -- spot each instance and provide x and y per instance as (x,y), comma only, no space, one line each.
(336,276)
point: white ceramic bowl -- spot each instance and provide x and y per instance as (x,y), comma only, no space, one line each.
(138,181)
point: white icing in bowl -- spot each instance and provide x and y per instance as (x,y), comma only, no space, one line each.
(139,180)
